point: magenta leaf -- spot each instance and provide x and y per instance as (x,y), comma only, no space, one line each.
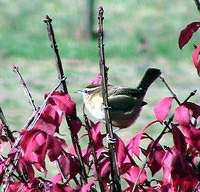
(133,174)
(87,186)
(155,158)
(195,58)
(194,108)
(69,165)
(62,102)
(97,137)
(57,178)
(50,120)
(121,151)
(26,168)
(133,145)
(187,33)
(182,115)
(179,139)
(97,80)
(162,108)
(76,125)
(104,167)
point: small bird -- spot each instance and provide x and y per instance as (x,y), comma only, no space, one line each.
(125,103)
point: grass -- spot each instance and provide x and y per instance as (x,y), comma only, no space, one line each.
(129,26)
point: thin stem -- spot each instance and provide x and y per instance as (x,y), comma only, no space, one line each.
(170,90)
(196,187)
(6,128)
(197,2)
(59,67)
(92,145)
(115,185)
(31,126)
(26,90)
(150,152)
(190,95)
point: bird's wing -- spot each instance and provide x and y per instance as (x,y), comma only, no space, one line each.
(127,91)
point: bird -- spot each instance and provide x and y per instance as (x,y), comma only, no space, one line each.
(124,103)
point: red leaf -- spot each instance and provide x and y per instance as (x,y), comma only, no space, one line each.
(121,151)
(76,125)
(97,137)
(179,140)
(162,108)
(62,102)
(87,186)
(50,120)
(195,58)
(195,109)
(104,167)
(97,80)
(133,174)
(182,115)
(133,145)
(155,158)
(187,33)
(69,165)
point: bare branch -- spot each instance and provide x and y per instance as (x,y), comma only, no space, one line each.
(26,90)
(6,128)
(170,90)
(74,138)
(104,82)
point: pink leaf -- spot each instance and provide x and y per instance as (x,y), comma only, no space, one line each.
(69,165)
(162,108)
(182,115)
(104,167)
(187,33)
(121,151)
(133,174)
(76,125)
(87,186)
(97,80)
(179,139)
(62,102)
(195,58)
(57,178)
(155,158)
(133,145)
(97,137)
(195,109)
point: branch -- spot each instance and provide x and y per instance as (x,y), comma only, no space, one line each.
(170,90)
(150,152)
(104,82)
(74,137)
(26,90)
(92,145)
(197,2)
(6,128)
(32,121)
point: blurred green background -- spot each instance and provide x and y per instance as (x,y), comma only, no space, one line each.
(138,34)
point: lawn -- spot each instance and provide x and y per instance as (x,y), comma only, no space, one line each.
(138,34)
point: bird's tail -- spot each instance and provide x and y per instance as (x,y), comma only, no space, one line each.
(149,77)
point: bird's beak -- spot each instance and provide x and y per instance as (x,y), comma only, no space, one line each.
(78,91)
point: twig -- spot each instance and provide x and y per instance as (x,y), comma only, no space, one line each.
(190,95)
(31,126)
(6,128)
(74,137)
(26,90)
(196,187)
(170,90)
(150,152)
(115,185)
(92,145)
(197,2)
